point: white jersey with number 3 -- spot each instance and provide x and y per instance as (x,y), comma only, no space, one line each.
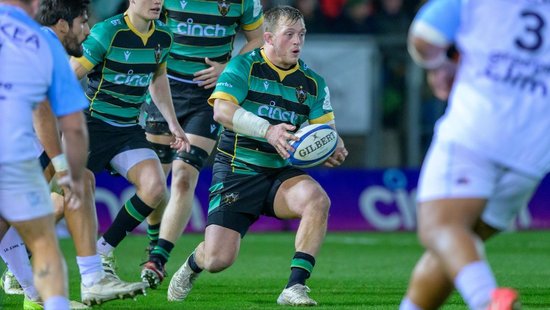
(500,102)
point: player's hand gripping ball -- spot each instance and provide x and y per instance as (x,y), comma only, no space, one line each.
(317,142)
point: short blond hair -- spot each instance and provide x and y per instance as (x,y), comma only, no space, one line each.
(278,15)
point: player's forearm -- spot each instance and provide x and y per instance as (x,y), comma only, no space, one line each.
(45,126)
(426,54)
(75,143)
(237,119)
(162,98)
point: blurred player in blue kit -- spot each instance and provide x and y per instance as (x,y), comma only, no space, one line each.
(67,21)
(490,149)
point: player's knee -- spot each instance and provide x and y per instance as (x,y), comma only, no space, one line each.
(182,180)
(319,203)
(437,236)
(154,189)
(196,157)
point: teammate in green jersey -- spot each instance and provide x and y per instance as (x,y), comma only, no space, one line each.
(204,32)
(251,173)
(124,57)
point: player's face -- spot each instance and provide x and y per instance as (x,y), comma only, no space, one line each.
(288,41)
(147,9)
(78,32)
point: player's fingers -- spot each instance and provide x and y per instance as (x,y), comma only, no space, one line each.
(199,74)
(210,83)
(282,149)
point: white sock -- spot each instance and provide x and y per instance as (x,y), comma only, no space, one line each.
(103,247)
(90,268)
(56,303)
(14,254)
(407,304)
(475,282)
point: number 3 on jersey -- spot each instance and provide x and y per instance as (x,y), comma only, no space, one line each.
(535,25)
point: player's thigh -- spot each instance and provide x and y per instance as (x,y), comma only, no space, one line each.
(24,193)
(296,193)
(513,192)
(38,233)
(147,173)
(205,143)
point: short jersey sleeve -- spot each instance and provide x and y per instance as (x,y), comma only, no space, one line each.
(252,17)
(166,52)
(442,16)
(232,84)
(95,46)
(321,111)
(65,93)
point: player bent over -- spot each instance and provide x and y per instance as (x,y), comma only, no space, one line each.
(251,174)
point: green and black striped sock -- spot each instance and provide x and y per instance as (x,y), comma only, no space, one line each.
(300,268)
(129,217)
(161,251)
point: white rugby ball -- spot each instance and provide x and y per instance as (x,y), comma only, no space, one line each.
(317,142)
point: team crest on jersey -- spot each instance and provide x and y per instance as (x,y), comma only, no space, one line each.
(158,53)
(230,198)
(223,7)
(301,95)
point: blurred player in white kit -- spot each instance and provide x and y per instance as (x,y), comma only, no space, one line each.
(490,149)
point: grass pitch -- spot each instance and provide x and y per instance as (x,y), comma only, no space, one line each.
(353,271)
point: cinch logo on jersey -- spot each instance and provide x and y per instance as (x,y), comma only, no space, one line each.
(277,113)
(130,79)
(188,28)
(319,143)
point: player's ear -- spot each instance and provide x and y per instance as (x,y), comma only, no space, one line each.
(62,26)
(268,37)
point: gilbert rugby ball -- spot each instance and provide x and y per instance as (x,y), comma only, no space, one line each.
(317,142)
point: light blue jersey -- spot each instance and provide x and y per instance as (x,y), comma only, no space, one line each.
(33,67)
(502,85)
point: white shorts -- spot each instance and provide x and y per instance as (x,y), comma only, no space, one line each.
(24,193)
(452,171)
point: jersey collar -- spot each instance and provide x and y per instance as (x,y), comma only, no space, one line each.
(143,36)
(281,72)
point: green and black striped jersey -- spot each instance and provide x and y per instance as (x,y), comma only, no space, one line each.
(291,96)
(123,62)
(206,28)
